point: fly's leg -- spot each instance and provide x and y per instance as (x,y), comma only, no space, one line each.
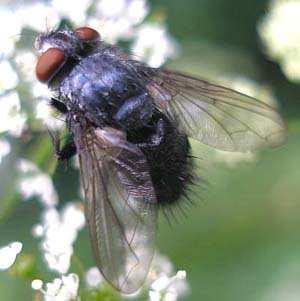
(67,151)
(135,112)
(58,105)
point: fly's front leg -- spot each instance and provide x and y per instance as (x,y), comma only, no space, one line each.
(58,105)
(136,112)
(67,151)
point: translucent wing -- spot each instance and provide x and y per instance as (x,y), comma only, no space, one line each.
(217,116)
(120,206)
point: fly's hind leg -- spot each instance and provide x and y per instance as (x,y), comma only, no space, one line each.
(67,151)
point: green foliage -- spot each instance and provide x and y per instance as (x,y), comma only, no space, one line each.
(25,267)
(103,294)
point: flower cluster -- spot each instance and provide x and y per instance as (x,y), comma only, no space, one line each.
(60,289)
(12,119)
(25,112)
(93,278)
(280,33)
(164,285)
(153,44)
(4,148)
(34,183)
(168,288)
(58,231)
(8,254)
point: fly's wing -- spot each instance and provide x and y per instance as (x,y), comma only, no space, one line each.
(217,116)
(120,206)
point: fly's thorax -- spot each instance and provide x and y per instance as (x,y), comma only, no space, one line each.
(100,84)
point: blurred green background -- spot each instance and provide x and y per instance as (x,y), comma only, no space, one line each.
(241,239)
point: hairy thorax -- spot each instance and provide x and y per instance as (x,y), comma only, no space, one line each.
(99,83)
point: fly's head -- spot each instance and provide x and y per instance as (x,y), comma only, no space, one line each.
(61,46)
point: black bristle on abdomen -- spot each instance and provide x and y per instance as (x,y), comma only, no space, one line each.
(170,168)
(170,163)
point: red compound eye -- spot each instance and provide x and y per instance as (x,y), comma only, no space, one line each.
(87,34)
(49,63)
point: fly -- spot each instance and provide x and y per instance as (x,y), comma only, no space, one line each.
(129,125)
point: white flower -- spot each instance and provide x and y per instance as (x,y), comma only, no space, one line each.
(37,284)
(169,288)
(37,16)
(4,149)
(111,30)
(37,230)
(11,117)
(44,111)
(73,216)
(26,62)
(93,277)
(8,76)
(35,183)
(164,286)
(40,90)
(160,265)
(60,289)
(133,10)
(117,18)
(75,11)
(280,32)
(59,231)
(8,254)
(26,166)
(46,114)
(111,8)
(10,33)
(153,44)
(53,287)
(39,185)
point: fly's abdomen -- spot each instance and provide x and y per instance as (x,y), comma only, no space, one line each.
(171,167)
(168,155)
